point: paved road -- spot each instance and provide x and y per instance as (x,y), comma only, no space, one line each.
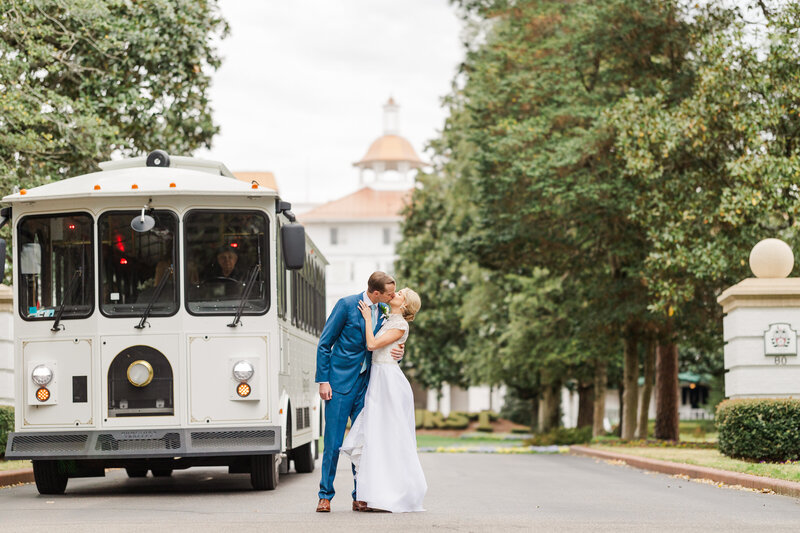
(466,492)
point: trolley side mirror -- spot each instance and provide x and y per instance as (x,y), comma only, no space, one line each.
(293,242)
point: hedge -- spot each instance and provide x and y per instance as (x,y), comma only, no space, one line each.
(435,420)
(6,426)
(760,429)
(562,436)
(484,419)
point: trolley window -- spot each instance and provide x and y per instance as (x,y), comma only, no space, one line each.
(138,268)
(227,262)
(56,254)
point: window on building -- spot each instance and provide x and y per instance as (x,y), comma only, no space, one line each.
(387,237)
(334,235)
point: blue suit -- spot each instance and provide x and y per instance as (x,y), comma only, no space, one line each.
(341,353)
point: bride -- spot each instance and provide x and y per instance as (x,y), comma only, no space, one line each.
(382,442)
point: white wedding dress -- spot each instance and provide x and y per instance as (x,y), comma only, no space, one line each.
(382,443)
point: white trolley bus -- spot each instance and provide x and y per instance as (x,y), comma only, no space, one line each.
(166,316)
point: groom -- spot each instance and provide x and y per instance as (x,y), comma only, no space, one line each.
(343,365)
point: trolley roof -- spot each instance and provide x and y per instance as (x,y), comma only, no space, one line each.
(131,177)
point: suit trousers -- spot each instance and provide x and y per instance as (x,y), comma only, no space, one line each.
(337,410)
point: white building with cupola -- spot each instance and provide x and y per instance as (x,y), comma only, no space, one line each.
(358,232)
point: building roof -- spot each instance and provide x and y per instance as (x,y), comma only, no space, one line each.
(264,179)
(365,203)
(390,149)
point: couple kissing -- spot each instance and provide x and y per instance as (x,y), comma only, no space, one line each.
(360,379)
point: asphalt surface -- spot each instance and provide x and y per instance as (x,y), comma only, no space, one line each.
(467,492)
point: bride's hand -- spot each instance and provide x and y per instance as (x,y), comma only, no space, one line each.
(366,312)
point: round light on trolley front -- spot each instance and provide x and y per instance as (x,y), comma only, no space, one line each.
(140,373)
(42,375)
(243,371)
(42,394)
(243,390)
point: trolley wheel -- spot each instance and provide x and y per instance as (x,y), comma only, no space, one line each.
(136,472)
(50,477)
(264,471)
(303,458)
(162,472)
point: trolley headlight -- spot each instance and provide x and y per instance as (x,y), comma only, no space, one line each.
(42,375)
(140,373)
(243,371)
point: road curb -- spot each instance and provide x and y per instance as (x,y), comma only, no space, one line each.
(779,486)
(12,477)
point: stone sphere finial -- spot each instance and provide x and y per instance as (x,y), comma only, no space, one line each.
(771,258)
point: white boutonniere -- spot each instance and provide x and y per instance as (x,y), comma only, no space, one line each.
(384,309)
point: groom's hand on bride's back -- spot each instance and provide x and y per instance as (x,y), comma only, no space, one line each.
(398,351)
(325,391)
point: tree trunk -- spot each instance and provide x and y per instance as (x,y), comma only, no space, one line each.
(535,404)
(617,430)
(667,390)
(549,407)
(600,377)
(630,380)
(647,390)
(585,404)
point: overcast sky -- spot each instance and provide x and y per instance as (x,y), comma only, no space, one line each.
(302,85)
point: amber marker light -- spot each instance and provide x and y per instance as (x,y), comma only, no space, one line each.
(243,390)
(254,186)
(43,394)
(23,192)
(134,186)
(172,185)
(97,187)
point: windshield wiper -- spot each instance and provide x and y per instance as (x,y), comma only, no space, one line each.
(247,288)
(156,294)
(78,274)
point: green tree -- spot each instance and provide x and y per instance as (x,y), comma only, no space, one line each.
(720,166)
(545,183)
(429,263)
(80,80)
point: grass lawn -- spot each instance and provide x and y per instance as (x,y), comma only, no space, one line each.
(712,459)
(14,465)
(436,441)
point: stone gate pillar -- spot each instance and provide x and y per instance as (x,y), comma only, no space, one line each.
(762,318)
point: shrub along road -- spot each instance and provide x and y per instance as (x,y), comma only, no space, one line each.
(470,492)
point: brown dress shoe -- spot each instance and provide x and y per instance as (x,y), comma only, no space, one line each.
(324,506)
(359,505)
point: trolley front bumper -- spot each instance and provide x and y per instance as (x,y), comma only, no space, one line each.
(133,444)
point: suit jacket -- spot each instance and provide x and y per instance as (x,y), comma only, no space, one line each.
(343,345)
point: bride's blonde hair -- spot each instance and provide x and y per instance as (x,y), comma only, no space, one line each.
(411,307)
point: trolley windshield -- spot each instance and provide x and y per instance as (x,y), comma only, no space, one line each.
(138,268)
(56,254)
(226,262)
